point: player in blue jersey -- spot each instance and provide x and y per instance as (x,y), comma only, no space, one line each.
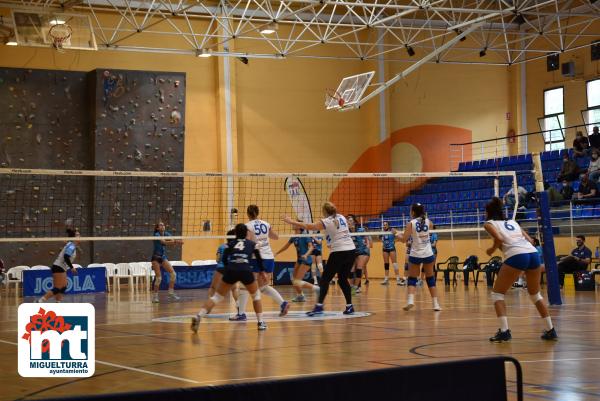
(317,254)
(63,262)
(159,259)
(363,252)
(304,250)
(389,253)
(237,258)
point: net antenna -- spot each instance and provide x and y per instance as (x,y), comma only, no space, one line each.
(352,89)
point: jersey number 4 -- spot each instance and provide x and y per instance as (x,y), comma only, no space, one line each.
(239,245)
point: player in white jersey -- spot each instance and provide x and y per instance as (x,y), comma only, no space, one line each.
(341,255)
(63,262)
(261,232)
(420,254)
(519,256)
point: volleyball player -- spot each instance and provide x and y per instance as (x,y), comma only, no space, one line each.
(361,243)
(519,256)
(389,253)
(304,249)
(260,231)
(236,258)
(317,254)
(159,259)
(341,257)
(420,254)
(218,275)
(63,262)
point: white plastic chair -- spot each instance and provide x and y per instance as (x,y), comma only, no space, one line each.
(122,271)
(110,272)
(139,271)
(39,267)
(75,265)
(178,263)
(14,276)
(197,263)
(95,265)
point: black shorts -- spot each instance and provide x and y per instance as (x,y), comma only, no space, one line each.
(158,258)
(57,269)
(220,270)
(233,276)
(316,252)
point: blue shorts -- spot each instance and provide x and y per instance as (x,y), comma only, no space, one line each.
(307,261)
(524,261)
(417,261)
(363,253)
(269,265)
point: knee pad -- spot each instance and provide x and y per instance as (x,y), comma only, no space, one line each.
(173,277)
(430,281)
(535,297)
(297,282)
(412,281)
(216,298)
(497,297)
(256,296)
(55,290)
(63,290)
(157,281)
(386,266)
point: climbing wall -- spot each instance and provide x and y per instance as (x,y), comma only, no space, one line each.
(44,123)
(138,126)
(104,120)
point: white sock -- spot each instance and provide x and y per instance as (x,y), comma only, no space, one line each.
(387,274)
(503,323)
(202,312)
(548,321)
(272,292)
(395,265)
(242,301)
(411,299)
(435,302)
(259,317)
(320,267)
(520,281)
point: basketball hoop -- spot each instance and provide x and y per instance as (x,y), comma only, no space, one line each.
(333,99)
(60,33)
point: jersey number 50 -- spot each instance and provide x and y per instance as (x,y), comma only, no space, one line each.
(260,229)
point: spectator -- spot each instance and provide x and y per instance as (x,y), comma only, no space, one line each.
(581,145)
(566,191)
(553,194)
(509,197)
(579,259)
(569,170)
(594,167)
(587,189)
(595,138)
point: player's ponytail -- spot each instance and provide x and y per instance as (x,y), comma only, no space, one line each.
(329,210)
(418,211)
(494,210)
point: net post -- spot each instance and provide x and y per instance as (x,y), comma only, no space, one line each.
(546,234)
(496,187)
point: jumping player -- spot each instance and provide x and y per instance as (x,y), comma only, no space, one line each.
(260,231)
(420,254)
(63,262)
(159,259)
(389,252)
(304,249)
(317,254)
(236,258)
(341,257)
(519,256)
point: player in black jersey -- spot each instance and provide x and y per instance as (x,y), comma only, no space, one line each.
(236,259)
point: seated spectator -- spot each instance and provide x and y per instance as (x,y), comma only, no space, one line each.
(587,189)
(579,259)
(595,138)
(594,167)
(569,170)
(581,145)
(566,191)
(554,195)
(509,197)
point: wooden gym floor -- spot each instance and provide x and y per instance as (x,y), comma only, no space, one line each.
(135,353)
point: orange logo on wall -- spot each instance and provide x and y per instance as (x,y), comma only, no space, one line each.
(367,196)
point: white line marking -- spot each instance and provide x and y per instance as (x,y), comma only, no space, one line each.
(561,360)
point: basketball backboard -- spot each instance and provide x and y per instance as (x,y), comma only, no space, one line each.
(31,29)
(350,90)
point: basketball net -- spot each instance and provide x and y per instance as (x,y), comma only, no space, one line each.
(332,95)
(60,33)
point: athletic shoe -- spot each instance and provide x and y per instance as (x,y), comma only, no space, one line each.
(402,281)
(408,307)
(549,335)
(385,282)
(317,310)
(437,307)
(332,282)
(155,299)
(174,296)
(366,282)
(517,285)
(501,336)
(353,290)
(349,310)
(195,324)
(238,318)
(39,300)
(285,306)
(358,290)
(299,298)
(262,326)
